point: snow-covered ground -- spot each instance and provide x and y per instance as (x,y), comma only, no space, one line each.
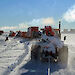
(15,58)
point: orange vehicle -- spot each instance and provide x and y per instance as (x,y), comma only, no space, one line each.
(49,30)
(12,34)
(33,32)
(23,34)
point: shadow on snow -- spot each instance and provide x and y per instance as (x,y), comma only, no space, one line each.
(35,67)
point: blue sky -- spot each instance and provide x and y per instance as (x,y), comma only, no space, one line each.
(17,13)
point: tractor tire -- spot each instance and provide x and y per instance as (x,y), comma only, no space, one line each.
(35,52)
(63,55)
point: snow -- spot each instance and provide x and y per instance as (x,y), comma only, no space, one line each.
(53,42)
(50,47)
(15,58)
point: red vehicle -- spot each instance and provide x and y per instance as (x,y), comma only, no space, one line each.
(52,49)
(33,32)
(49,30)
(12,34)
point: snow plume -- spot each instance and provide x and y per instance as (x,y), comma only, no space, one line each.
(69,16)
(42,22)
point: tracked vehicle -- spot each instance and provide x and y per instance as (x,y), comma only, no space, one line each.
(50,47)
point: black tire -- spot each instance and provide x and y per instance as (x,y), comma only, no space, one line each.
(63,55)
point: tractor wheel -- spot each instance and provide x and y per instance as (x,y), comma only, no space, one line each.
(63,55)
(35,52)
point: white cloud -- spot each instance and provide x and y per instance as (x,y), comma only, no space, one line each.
(7,27)
(69,16)
(48,20)
(42,22)
(35,22)
(20,26)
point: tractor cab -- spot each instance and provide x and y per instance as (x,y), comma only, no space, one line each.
(33,32)
(49,31)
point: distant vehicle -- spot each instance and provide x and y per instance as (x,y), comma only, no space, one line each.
(12,34)
(32,32)
(1,32)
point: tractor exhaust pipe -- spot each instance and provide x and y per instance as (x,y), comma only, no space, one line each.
(59,27)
